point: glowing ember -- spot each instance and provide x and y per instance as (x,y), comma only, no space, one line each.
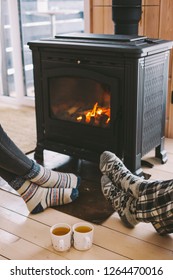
(97,115)
(79,118)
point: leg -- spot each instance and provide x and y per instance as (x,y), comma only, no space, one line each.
(114,168)
(155,205)
(164,227)
(117,172)
(123,202)
(11,158)
(37,198)
(154,199)
(15,161)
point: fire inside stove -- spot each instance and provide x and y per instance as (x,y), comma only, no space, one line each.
(80,100)
(98,116)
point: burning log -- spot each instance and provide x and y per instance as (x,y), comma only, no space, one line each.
(97,116)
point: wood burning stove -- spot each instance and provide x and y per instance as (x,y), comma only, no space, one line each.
(101,92)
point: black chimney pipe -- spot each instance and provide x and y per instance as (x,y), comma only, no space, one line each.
(126,15)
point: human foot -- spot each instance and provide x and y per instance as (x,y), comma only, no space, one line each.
(114,168)
(123,202)
(53,179)
(37,198)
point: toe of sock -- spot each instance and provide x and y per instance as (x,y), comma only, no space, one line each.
(105,157)
(74,194)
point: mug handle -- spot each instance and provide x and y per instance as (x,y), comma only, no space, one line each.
(87,242)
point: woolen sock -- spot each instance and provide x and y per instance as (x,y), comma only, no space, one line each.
(53,179)
(114,168)
(37,198)
(123,202)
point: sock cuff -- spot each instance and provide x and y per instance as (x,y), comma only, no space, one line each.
(17,183)
(34,171)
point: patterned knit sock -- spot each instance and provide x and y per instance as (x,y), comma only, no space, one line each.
(37,198)
(113,167)
(53,179)
(123,202)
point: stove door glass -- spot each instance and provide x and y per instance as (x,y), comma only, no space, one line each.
(81,100)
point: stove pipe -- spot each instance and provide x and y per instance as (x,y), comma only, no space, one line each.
(126,15)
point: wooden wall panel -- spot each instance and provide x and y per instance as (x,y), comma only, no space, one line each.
(108,22)
(141,23)
(151,2)
(166,32)
(108,3)
(151,21)
(170,98)
(102,17)
(166,20)
(98,2)
(98,20)
(170,122)
(168,108)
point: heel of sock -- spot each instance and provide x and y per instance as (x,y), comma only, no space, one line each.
(39,208)
(126,222)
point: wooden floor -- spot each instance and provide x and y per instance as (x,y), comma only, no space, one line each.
(26,237)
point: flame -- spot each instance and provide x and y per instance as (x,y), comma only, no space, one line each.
(79,118)
(95,115)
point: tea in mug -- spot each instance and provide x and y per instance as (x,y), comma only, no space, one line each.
(60,230)
(83,229)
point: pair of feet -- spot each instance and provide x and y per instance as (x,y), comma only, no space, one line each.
(120,187)
(135,199)
(42,188)
(46,188)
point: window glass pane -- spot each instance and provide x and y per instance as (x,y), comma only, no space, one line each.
(7,69)
(45,19)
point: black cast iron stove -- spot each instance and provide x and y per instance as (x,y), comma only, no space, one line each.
(101,92)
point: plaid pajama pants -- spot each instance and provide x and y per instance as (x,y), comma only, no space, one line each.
(155,205)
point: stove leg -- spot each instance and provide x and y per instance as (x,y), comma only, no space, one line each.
(38,155)
(161,153)
(139,172)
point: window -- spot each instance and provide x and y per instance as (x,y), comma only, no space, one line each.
(27,20)
(7,67)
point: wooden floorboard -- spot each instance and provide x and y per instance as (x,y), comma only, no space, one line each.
(112,240)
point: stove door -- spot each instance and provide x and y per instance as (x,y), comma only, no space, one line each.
(82,108)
